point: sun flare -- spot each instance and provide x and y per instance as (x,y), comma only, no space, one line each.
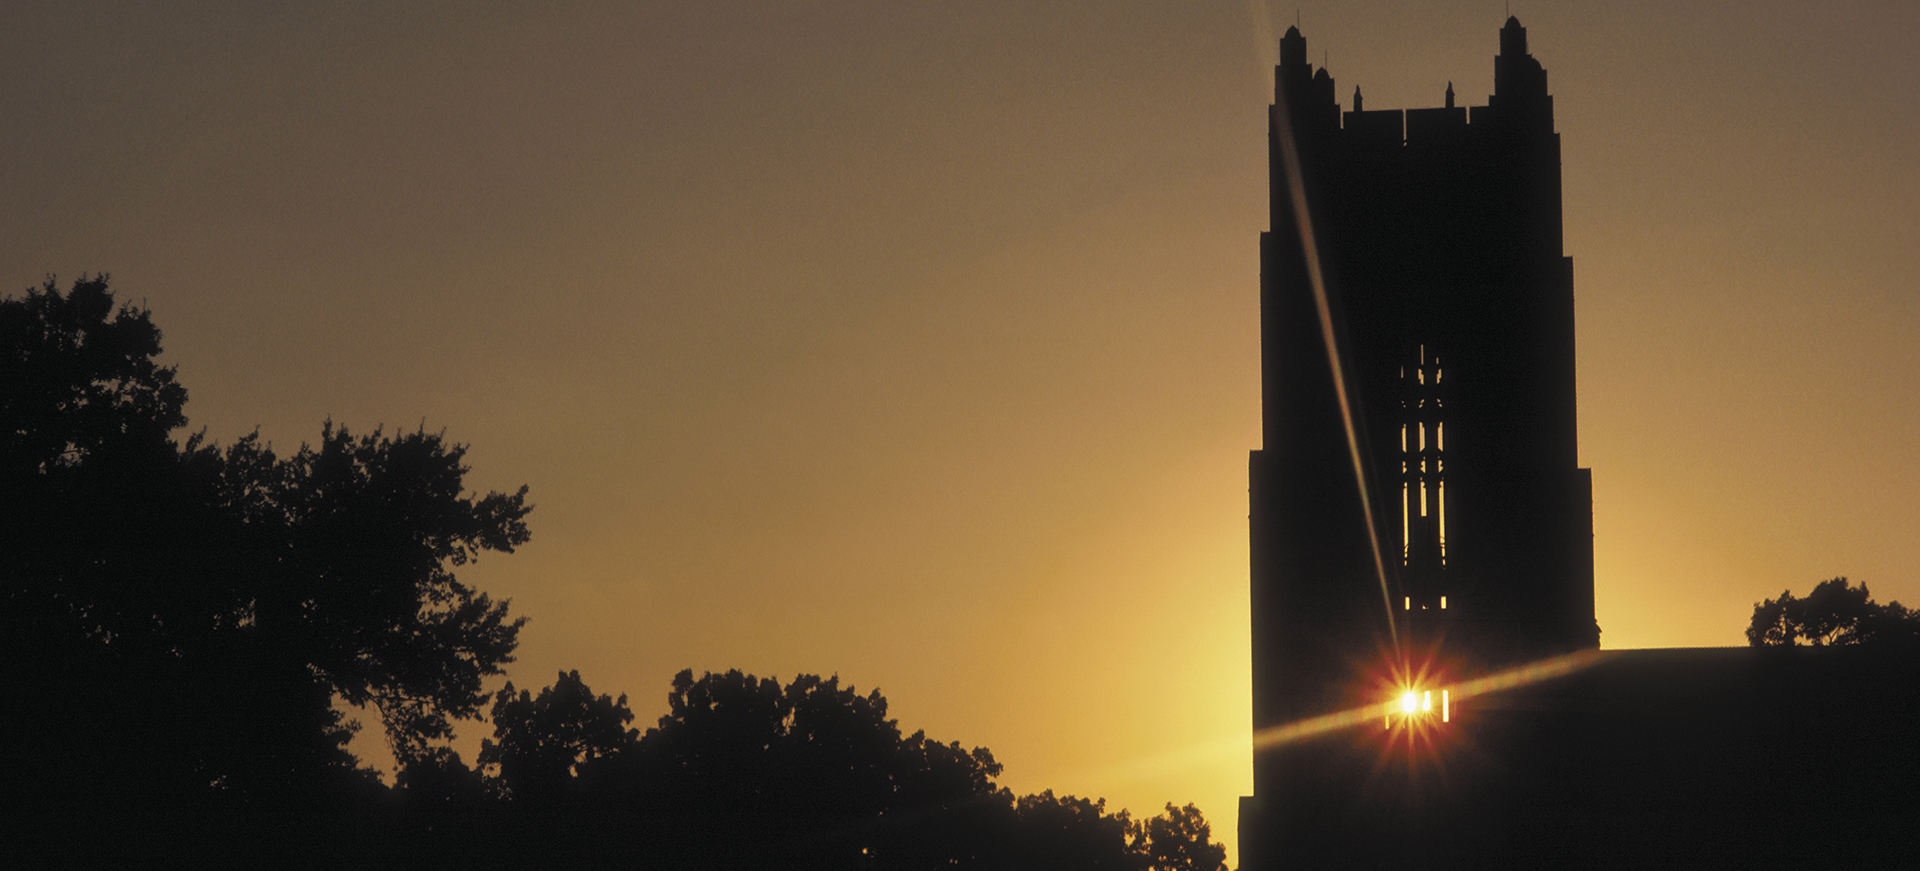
(1405,696)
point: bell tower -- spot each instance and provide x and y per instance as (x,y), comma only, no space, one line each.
(1417,506)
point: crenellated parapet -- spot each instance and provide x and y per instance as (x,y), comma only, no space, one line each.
(1518,105)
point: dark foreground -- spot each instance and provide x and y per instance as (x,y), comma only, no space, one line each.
(1711,757)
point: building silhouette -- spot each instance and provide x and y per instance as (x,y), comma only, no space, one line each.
(1436,236)
(1418,519)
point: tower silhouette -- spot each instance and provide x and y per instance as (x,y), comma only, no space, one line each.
(1417,509)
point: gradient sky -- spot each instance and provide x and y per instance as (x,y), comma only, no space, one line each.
(917,342)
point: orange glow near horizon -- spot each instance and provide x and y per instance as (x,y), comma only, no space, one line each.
(922,346)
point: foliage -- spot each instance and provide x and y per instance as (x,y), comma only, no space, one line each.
(438,779)
(1181,840)
(812,774)
(733,741)
(1069,832)
(223,598)
(78,379)
(364,531)
(540,743)
(181,622)
(1834,613)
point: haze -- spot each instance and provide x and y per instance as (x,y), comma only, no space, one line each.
(918,343)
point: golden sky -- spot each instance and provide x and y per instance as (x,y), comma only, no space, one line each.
(917,342)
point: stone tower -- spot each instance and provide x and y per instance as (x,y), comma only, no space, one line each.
(1417,509)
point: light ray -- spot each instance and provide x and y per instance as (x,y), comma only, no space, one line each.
(1299,729)
(1518,676)
(1531,673)
(1290,160)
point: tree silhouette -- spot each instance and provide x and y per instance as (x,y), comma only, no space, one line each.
(1181,840)
(179,619)
(182,620)
(541,742)
(438,779)
(1834,613)
(744,772)
(739,742)
(78,380)
(360,534)
(1069,832)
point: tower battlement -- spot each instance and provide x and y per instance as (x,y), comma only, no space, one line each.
(1519,98)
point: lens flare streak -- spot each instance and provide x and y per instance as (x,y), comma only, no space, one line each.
(1531,673)
(1312,726)
(1303,219)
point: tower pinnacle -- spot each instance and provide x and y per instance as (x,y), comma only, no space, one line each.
(1513,38)
(1293,48)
